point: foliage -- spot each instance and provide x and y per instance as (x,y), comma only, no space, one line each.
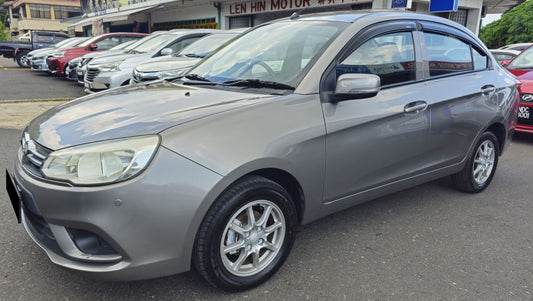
(3,32)
(515,26)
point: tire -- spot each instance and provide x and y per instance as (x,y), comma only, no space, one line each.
(22,59)
(480,167)
(234,252)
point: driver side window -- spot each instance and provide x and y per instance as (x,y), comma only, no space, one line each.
(390,56)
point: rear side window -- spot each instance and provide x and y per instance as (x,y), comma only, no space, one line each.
(390,56)
(448,54)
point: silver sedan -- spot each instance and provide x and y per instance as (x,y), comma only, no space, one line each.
(292,121)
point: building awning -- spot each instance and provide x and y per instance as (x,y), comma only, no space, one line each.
(112,17)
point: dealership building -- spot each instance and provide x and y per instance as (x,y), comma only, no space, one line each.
(151,15)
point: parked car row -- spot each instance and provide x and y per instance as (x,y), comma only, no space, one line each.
(118,59)
(288,122)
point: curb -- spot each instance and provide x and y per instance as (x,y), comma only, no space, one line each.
(35,100)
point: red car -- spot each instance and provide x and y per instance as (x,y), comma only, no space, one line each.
(522,67)
(58,61)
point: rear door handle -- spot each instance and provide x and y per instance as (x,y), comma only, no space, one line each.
(415,107)
(488,90)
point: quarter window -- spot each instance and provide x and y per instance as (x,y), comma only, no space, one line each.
(390,56)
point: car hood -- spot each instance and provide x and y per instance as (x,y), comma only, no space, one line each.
(525,77)
(103,53)
(40,50)
(116,57)
(131,111)
(164,64)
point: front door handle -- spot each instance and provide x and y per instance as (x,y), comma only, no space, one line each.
(415,107)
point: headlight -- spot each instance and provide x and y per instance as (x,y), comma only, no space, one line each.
(101,162)
(58,54)
(112,66)
(171,73)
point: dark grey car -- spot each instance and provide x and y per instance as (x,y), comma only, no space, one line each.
(290,122)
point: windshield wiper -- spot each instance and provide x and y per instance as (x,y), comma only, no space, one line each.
(193,55)
(197,79)
(257,83)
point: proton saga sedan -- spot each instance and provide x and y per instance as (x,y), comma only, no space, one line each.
(292,121)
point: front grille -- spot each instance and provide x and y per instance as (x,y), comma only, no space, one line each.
(50,65)
(72,64)
(33,156)
(91,74)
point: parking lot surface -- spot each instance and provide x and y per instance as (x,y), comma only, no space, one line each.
(20,84)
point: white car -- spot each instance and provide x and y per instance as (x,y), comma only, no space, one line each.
(115,71)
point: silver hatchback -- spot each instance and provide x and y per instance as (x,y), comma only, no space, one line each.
(292,121)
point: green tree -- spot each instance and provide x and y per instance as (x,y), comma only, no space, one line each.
(3,31)
(515,26)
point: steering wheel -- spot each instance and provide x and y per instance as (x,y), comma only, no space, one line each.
(269,70)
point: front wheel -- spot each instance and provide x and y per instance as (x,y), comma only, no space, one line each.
(246,235)
(22,59)
(480,167)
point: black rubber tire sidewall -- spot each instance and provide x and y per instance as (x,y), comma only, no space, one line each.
(207,258)
(464,180)
(19,59)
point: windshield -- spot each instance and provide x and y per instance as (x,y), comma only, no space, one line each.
(279,52)
(206,45)
(67,42)
(89,41)
(123,45)
(523,61)
(153,43)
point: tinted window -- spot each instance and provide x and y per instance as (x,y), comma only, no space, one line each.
(447,54)
(391,57)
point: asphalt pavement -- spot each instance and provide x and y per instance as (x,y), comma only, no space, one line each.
(22,84)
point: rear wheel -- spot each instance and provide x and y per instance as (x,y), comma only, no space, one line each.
(22,59)
(246,235)
(480,167)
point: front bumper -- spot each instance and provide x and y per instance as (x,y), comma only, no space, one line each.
(147,224)
(56,65)
(71,73)
(96,80)
(39,65)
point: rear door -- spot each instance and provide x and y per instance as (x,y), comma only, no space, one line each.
(462,91)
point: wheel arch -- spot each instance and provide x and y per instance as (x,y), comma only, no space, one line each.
(498,130)
(288,182)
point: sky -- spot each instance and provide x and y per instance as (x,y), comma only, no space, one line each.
(490,18)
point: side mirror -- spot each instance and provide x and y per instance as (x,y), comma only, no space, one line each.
(505,62)
(356,85)
(167,51)
(93,46)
